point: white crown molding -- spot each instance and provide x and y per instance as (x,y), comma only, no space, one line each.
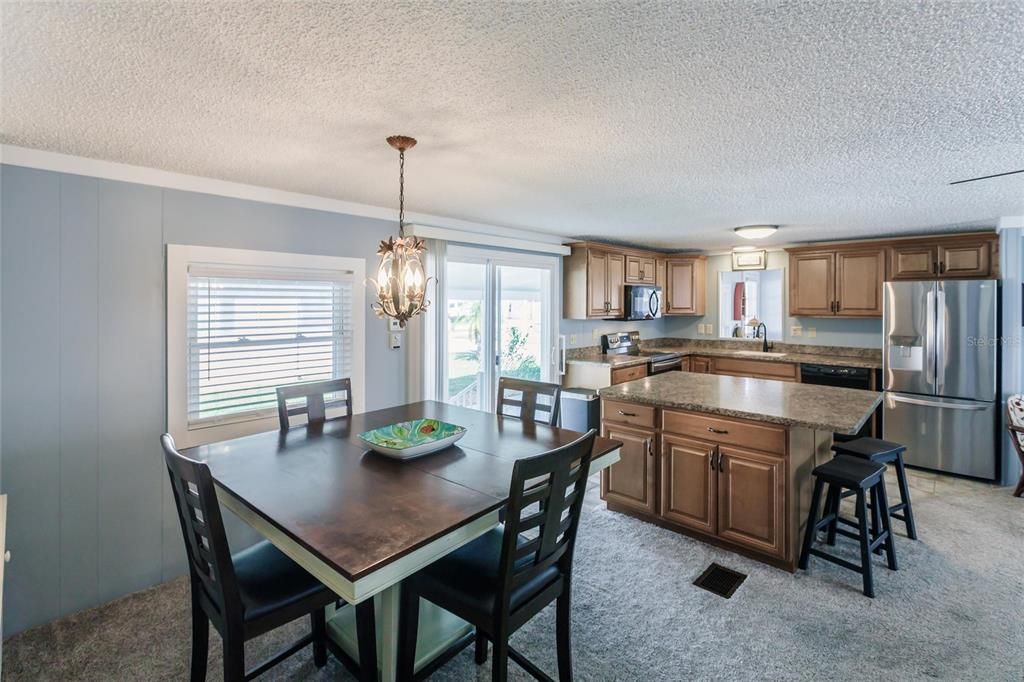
(505,242)
(109,170)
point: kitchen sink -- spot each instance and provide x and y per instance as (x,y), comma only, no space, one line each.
(757,353)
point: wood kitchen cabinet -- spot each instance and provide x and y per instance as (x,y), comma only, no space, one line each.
(689,494)
(957,257)
(752,499)
(592,283)
(685,285)
(640,270)
(836,283)
(631,481)
(700,365)
(624,374)
(756,369)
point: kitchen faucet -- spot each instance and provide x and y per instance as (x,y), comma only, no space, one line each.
(759,326)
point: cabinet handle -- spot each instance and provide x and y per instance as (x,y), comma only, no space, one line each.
(650,448)
(837,307)
(627,414)
(721,466)
(712,429)
(935,266)
(711,458)
(942,267)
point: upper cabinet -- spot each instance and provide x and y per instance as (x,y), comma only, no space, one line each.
(640,270)
(957,257)
(593,279)
(685,285)
(594,275)
(841,282)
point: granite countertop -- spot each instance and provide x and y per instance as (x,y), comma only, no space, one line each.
(827,408)
(870,360)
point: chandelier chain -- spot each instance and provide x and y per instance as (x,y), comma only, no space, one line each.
(401,193)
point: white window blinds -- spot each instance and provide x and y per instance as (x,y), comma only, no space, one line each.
(250,331)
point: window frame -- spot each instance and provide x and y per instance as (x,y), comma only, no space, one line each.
(179,258)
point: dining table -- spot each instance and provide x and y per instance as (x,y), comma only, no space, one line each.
(362,522)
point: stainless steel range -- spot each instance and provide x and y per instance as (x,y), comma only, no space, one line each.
(628,343)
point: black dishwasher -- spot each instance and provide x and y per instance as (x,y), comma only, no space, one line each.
(846,377)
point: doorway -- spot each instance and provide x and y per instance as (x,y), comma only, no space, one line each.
(500,319)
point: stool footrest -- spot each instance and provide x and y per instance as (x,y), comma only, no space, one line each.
(836,560)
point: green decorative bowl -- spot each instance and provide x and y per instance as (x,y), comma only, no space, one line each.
(415,438)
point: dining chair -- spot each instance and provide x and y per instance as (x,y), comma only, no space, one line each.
(523,394)
(314,403)
(504,578)
(252,591)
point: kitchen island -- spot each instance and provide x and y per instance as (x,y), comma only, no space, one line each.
(725,459)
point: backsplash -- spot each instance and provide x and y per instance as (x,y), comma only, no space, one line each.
(587,332)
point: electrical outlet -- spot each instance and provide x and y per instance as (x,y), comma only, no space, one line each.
(796,331)
(595,334)
(812,332)
(572,339)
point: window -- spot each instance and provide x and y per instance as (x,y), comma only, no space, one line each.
(241,323)
(744,295)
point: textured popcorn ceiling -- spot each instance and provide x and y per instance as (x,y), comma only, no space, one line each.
(663,123)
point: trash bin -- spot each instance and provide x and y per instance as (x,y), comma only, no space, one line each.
(581,409)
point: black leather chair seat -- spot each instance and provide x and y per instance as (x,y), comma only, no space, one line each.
(468,577)
(873,449)
(269,581)
(849,472)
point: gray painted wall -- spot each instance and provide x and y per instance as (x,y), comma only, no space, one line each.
(82,359)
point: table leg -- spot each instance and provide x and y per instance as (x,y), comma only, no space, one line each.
(389,608)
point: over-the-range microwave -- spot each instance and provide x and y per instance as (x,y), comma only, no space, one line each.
(641,302)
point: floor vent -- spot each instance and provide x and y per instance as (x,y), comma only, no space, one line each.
(721,580)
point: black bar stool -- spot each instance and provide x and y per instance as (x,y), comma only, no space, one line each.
(861,477)
(885,452)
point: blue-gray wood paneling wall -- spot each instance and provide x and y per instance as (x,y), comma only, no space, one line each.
(90,515)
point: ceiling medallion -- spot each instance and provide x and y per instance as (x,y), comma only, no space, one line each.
(401,282)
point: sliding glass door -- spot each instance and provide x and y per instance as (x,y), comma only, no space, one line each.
(500,321)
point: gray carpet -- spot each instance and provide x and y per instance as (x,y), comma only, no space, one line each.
(954,610)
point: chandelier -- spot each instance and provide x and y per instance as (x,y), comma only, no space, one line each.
(401,282)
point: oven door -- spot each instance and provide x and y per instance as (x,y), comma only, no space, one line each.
(642,303)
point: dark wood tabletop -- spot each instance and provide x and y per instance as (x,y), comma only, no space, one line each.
(357,510)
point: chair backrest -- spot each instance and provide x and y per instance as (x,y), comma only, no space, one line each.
(523,394)
(1015,421)
(313,404)
(206,544)
(545,501)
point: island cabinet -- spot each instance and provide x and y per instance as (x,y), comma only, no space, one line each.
(736,483)
(632,484)
(839,282)
(621,375)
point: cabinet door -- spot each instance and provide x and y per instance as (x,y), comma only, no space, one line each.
(965,260)
(648,270)
(634,270)
(684,286)
(597,284)
(659,274)
(688,490)
(700,365)
(616,278)
(859,276)
(752,499)
(812,284)
(913,261)
(630,481)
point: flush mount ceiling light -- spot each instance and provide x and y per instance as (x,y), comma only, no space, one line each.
(756,231)
(401,282)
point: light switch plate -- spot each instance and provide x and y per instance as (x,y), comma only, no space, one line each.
(572,339)
(395,340)
(812,332)
(796,331)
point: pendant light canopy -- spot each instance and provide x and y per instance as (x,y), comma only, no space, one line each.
(401,282)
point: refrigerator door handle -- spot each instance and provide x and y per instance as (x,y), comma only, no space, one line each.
(929,338)
(940,340)
(974,407)
(560,350)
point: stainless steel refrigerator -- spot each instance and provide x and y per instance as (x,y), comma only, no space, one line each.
(939,367)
